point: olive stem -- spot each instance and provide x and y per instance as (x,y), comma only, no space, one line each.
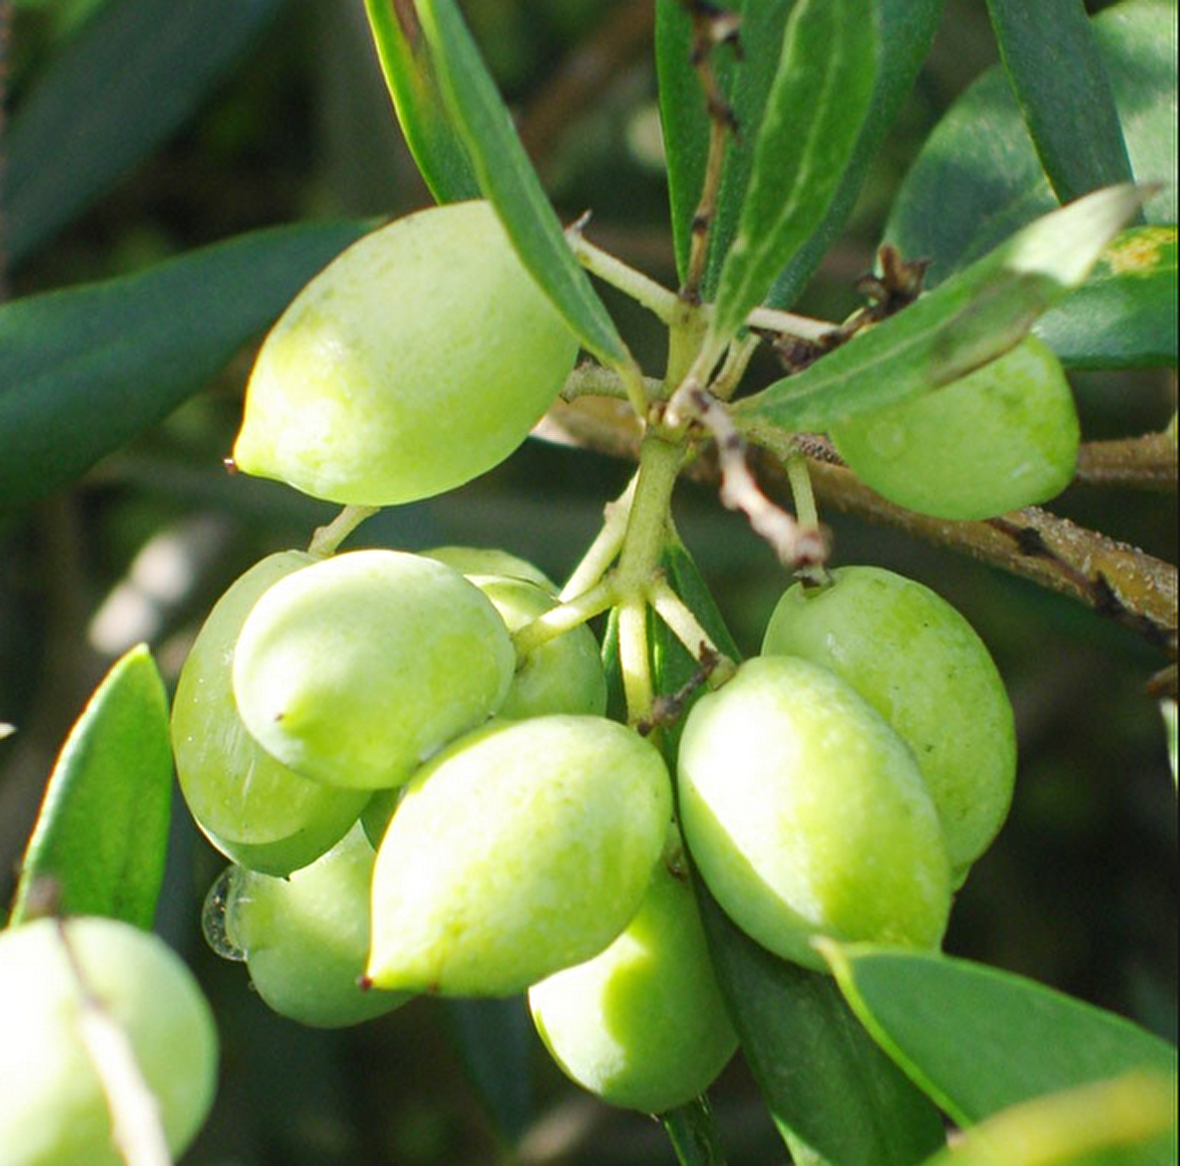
(644,290)
(605,548)
(135,1116)
(693,1134)
(685,626)
(326,540)
(564,617)
(635,659)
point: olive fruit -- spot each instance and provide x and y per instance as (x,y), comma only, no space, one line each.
(254,809)
(305,939)
(417,359)
(353,670)
(642,1024)
(471,561)
(562,675)
(53,1108)
(523,848)
(921,665)
(806,814)
(1003,437)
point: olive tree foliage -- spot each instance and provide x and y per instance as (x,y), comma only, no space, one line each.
(675,201)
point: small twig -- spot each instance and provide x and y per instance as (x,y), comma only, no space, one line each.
(641,288)
(711,26)
(795,546)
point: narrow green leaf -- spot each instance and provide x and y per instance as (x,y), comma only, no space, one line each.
(1056,71)
(128,79)
(693,1134)
(102,834)
(508,179)
(978,178)
(1124,315)
(814,113)
(972,318)
(84,369)
(413,85)
(495,1041)
(906,29)
(978,1040)
(1128,1121)
(836,1098)
(1168,710)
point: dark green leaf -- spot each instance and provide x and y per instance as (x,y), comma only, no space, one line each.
(495,1041)
(1056,71)
(693,1134)
(413,84)
(817,105)
(835,1096)
(83,370)
(126,81)
(978,178)
(972,318)
(906,29)
(979,1040)
(509,181)
(1124,315)
(102,835)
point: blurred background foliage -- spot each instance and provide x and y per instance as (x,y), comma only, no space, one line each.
(1080,890)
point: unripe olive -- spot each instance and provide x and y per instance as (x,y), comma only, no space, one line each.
(254,809)
(563,675)
(921,665)
(1003,437)
(643,1024)
(416,360)
(807,815)
(355,669)
(53,1109)
(471,561)
(523,848)
(305,939)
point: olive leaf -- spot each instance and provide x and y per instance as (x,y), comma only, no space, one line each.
(972,318)
(102,834)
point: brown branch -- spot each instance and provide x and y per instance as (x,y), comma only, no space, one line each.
(1110,577)
(1139,463)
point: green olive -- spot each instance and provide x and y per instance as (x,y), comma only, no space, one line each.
(1003,437)
(306,938)
(807,815)
(53,1108)
(921,665)
(254,809)
(643,1024)
(419,358)
(355,669)
(523,848)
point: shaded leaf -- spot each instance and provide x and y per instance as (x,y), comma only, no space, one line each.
(495,1041)
(101,837)
(906,29)
(1056,72)
(508,180)
(116,90)
(816,107)
(978,178)
(978,1040)
(972,318)
(413,84)
(835,1097)
(84,369)
(1124,315)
